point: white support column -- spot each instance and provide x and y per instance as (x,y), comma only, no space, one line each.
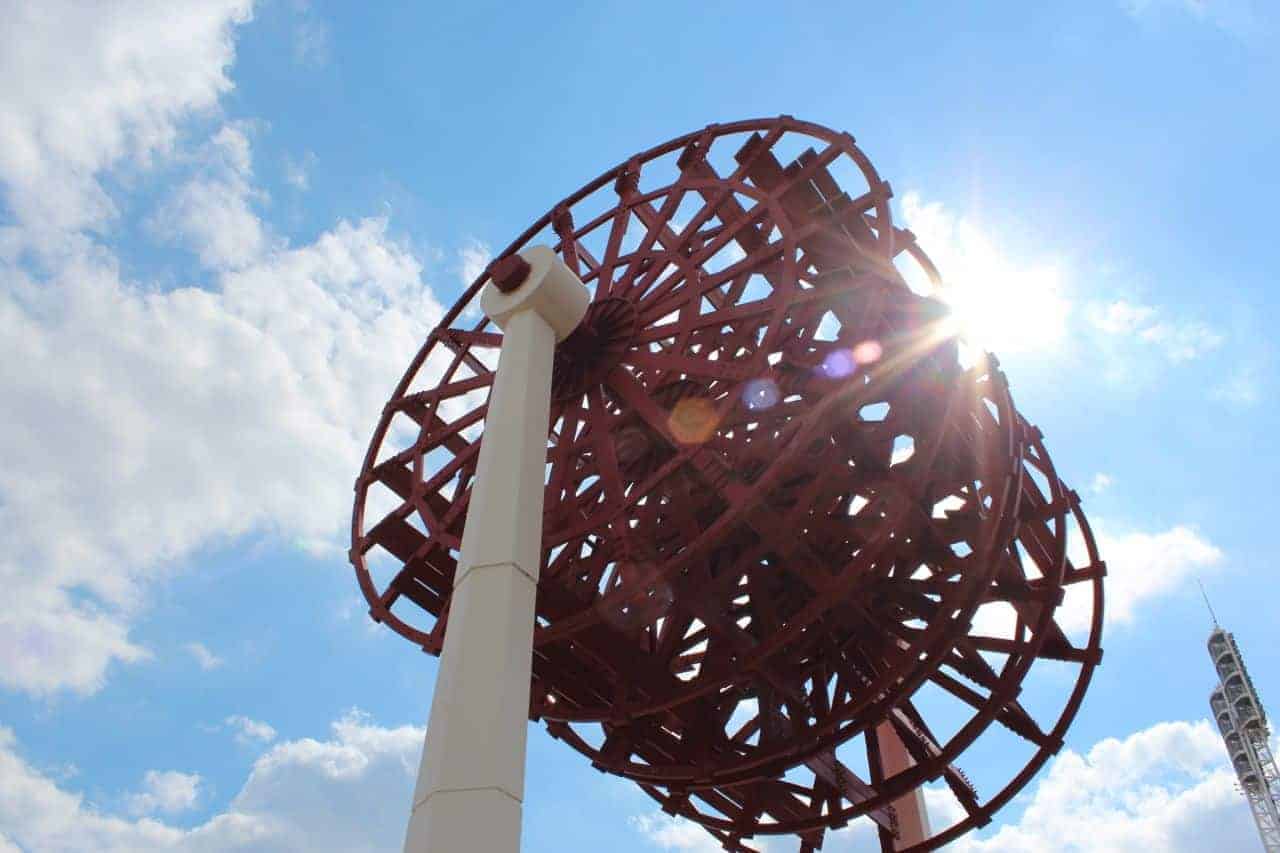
(913,819)
(471,782)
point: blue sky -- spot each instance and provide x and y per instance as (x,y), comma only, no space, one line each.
(225,229)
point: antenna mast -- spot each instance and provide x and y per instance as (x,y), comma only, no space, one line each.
(1205,596)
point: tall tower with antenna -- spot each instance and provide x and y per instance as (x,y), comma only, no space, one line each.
(1243,723)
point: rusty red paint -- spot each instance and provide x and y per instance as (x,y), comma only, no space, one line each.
(739,587)
(509,272)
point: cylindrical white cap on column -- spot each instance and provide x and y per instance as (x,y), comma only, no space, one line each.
(551,289)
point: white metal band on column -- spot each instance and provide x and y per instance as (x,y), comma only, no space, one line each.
(471,782)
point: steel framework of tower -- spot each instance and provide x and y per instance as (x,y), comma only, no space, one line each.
(1245,732)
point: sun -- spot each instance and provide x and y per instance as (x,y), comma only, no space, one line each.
(998,304)
(1006,310)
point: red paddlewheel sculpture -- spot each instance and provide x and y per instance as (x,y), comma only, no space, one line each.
(784,518)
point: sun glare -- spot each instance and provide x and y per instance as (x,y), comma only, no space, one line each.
(997,304)
(1007,310)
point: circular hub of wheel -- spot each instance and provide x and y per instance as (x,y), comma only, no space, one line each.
(584,358)
(785,523)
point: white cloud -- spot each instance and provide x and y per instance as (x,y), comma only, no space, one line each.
(166,791)
(142,424)
(212,212)
(472,260)
(1238,17)
(205,658)
(1000,303)
(249,731)
(213,413)
(84,86)
(297,173)
(1243,387)
(1141,567)
(673,833)
(1121,317)
(311,37)
(350,792)
(1166,788)
(1182,342)
(1179,341)
(1101,482)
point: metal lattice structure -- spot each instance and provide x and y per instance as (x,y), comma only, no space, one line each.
(1246,733)
(783,516)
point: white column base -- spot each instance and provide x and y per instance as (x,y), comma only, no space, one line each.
(465,821)
(476,740)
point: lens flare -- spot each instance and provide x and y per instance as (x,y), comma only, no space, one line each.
(838,364)
(868,352)
(693,420)
(760,394)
